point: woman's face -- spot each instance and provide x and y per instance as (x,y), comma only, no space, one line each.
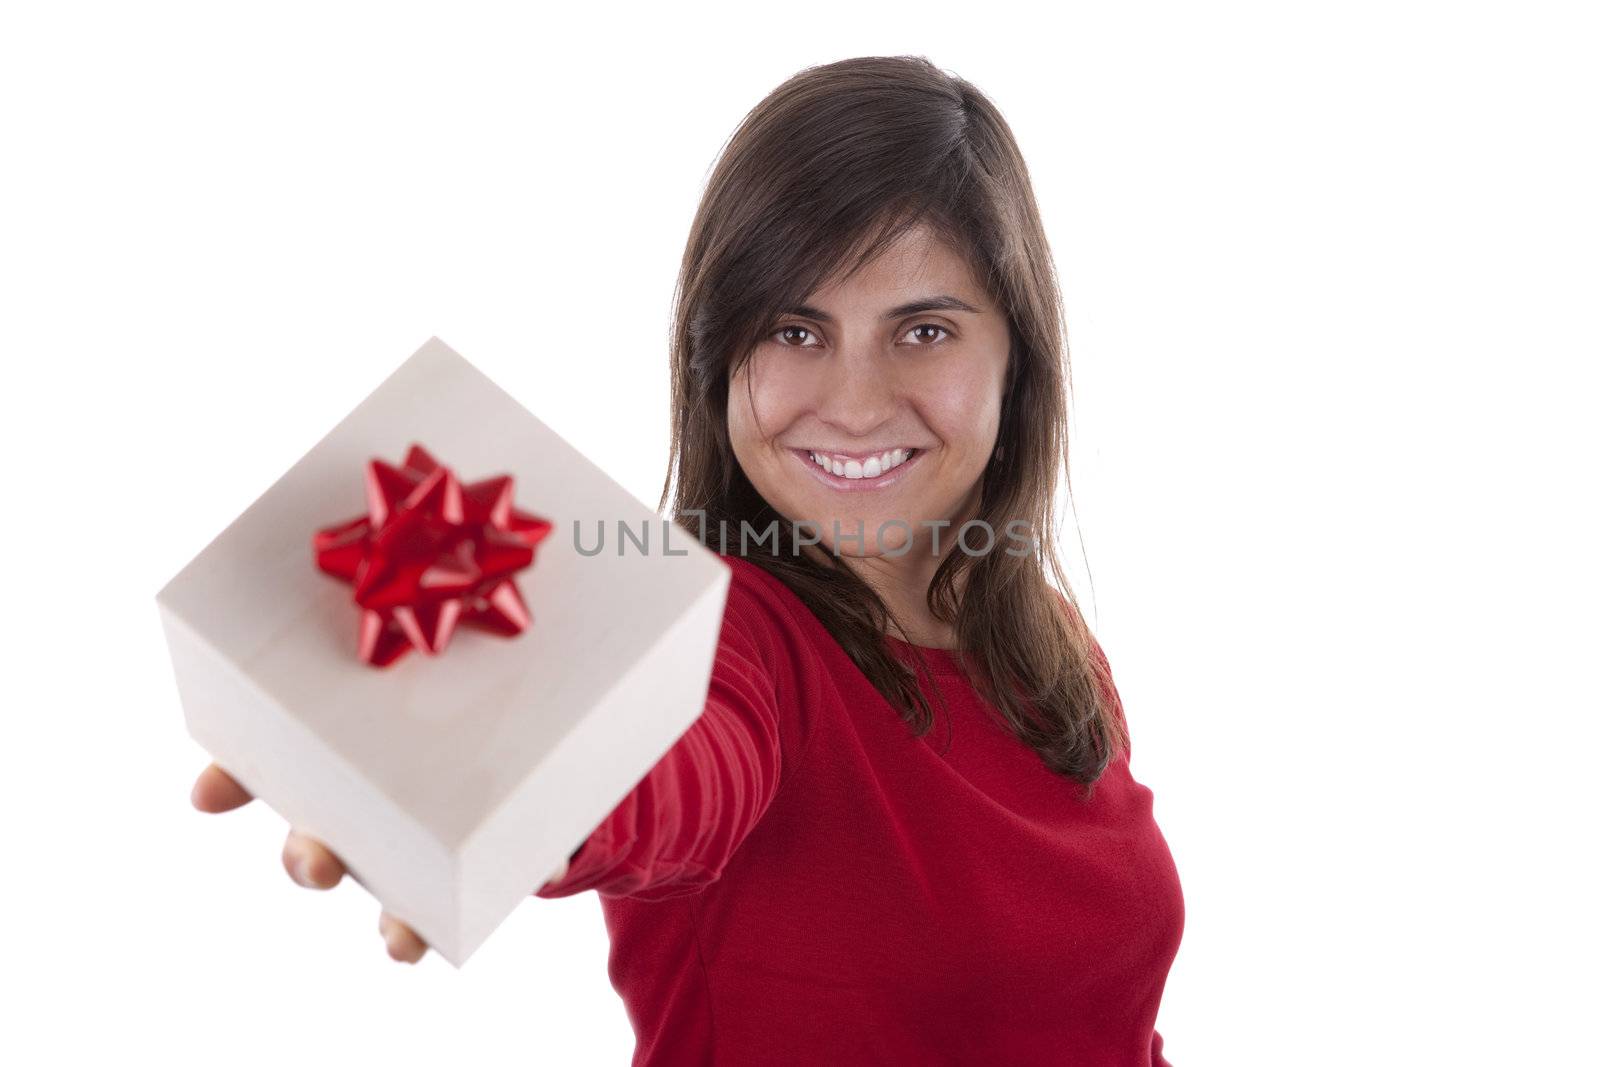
(877,400)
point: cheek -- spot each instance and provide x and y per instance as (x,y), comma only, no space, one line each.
(964,411)
(763,398)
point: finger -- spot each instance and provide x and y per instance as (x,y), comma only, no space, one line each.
(310,863)
(403,943)
(217,790)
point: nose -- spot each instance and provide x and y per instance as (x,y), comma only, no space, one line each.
(857,392)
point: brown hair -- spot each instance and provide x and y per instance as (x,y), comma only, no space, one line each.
(826,172)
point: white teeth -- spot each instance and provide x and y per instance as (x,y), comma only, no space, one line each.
(871,467)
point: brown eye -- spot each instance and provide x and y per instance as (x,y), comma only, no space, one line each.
(929,326)
(785,331)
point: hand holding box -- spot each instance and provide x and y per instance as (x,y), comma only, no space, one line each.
(455,778)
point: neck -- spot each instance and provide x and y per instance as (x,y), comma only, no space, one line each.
(902,582)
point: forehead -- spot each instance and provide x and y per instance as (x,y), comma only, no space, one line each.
(918,262)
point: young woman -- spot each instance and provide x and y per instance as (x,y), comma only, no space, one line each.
(868,423)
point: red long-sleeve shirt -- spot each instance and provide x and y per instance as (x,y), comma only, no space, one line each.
(799,880)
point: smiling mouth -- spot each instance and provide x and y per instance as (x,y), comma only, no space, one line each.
(875,472)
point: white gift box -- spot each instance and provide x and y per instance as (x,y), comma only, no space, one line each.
(452,785)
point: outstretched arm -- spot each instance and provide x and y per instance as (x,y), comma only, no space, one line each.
(677,829)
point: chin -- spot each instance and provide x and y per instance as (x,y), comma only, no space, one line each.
(870,527)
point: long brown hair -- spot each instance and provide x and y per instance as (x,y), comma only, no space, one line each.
(823,174)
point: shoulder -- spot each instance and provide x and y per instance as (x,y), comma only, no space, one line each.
(768,620)
(763,607)
(767,653)
(1099,665)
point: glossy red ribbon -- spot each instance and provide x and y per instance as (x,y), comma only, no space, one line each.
(431,554)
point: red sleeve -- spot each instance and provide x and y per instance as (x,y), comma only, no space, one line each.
(677,829)
(1157,1056)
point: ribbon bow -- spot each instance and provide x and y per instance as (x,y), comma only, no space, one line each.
(430,554)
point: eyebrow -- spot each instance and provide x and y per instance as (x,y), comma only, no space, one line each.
(915,307)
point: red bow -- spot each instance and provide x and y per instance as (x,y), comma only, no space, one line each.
(431,553)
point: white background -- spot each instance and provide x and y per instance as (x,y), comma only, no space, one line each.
(1331,280)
